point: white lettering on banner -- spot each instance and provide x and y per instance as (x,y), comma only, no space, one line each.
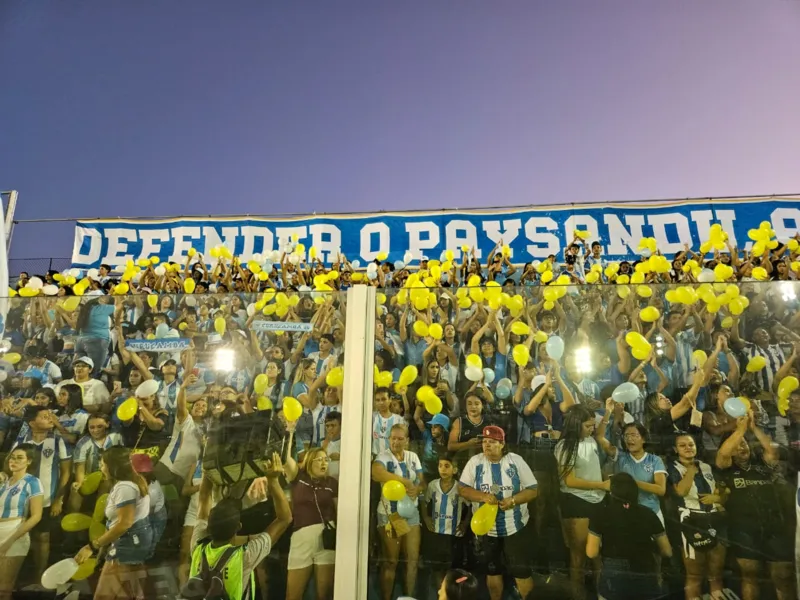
(183,238)
(702,220)
(552,244)
(118,240)
(416,244)
(659,224)
(281,326)
(620,240)
(250,234)
(454,241)
(367,253)
(326,248)
(582,222)
(213,239)
(163,345)
(785,222)
(726,219)
(508,234)
(150,241)
(95,245)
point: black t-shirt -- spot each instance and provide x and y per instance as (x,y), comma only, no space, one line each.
(753,493)
(628,533)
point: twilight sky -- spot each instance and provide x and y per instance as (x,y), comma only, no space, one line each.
(153,108)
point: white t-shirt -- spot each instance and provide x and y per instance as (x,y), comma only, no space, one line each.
(184,447)
(95,391)
(502,480)
(334,447)
(156,495)
(122,494)
(585,465)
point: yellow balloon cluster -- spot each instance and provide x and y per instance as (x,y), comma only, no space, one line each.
(427,396)
(640,347)
(763,238)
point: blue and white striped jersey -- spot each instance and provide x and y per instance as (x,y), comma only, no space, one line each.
(52,452)
(410,468)
(502,480)
(88,450)
(446,508)
(14,497)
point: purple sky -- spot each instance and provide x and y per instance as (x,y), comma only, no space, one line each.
(153,108)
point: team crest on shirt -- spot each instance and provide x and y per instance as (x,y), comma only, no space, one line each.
(48,452)
(648,468)
(14,491)
(511,471)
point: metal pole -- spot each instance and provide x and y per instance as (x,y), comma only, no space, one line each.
(9,223)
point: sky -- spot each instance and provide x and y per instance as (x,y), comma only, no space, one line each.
(155,108)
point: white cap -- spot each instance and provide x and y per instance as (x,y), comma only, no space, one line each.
(85,360)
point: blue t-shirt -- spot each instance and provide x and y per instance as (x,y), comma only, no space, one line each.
(97,325)
(643,470)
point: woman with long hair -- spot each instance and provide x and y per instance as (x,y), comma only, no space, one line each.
(458,585)
(144,433)
(312,550)
(698,499)
(21,501)
(93,326)
(627,534)
(647,469)
(464,435)
(72,418)
(582,486)
(128,538)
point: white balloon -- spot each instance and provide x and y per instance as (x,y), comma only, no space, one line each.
(294,259)
(211,288)
(443,256)
(35,283)
(645,252)
(162,330)
(555,347)
(93,273)
(251,310)
(257,257)
(356,264)
(276,256)
(488,376)
(50,290)
(160,270)
(408,257)
(59,574)
(473,373)
(190,301)
(537,381)
(706,276)
(148,388)
(75,272)
(304,288)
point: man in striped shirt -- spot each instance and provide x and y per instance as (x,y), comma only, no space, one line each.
(760,346)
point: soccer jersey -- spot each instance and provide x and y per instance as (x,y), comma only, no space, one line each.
(88,451)
(52,452)
(14,497)
(184,447)
(446,508)
(318,415)
(76,422)
(380,430)
(502,480)
(644,470)
(703,484)
(409,468)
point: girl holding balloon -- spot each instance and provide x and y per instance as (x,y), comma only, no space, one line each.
(398,469)
(21,498)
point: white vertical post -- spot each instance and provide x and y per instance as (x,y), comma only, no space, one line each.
(10,210)
(352,521)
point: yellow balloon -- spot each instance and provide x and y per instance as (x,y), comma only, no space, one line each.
(592,277)
(640,353)
(549,305)
(152,300)
(260,383)
(521,354)
(436,331)
(12,357)
(433,405)
(520,328)
(408,376)
(760,274)
(484,519)
(189,285)
(99,513)
(700,358)
(76,522)
(623,291)
(736,306)
(474,360)
(128,409)
(644,291)
(90,483)
(383,255)
(540,337)
(421,328)
(649,314)
(476,294)
(292,409)
(727,322)
(384,379)
(787,386)
(71,303)
(424,393)
(394,491)
(220,325)
(636,340)
(547,277)
(755,364)
(463,302)
(336,377)
(264,403)
(88,566)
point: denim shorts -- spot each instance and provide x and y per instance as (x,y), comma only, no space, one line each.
(133,548)
(158,523)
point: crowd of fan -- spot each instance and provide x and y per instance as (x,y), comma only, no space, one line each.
(511,424)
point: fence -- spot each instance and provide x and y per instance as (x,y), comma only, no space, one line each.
(35,266)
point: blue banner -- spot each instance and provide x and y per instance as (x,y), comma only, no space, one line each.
(531,233)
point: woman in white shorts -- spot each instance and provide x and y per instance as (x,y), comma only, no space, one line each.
(20,510)
(314,498)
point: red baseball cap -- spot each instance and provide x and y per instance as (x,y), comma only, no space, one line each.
(142,463)
(493,432)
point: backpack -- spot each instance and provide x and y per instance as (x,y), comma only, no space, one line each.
(208,583)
